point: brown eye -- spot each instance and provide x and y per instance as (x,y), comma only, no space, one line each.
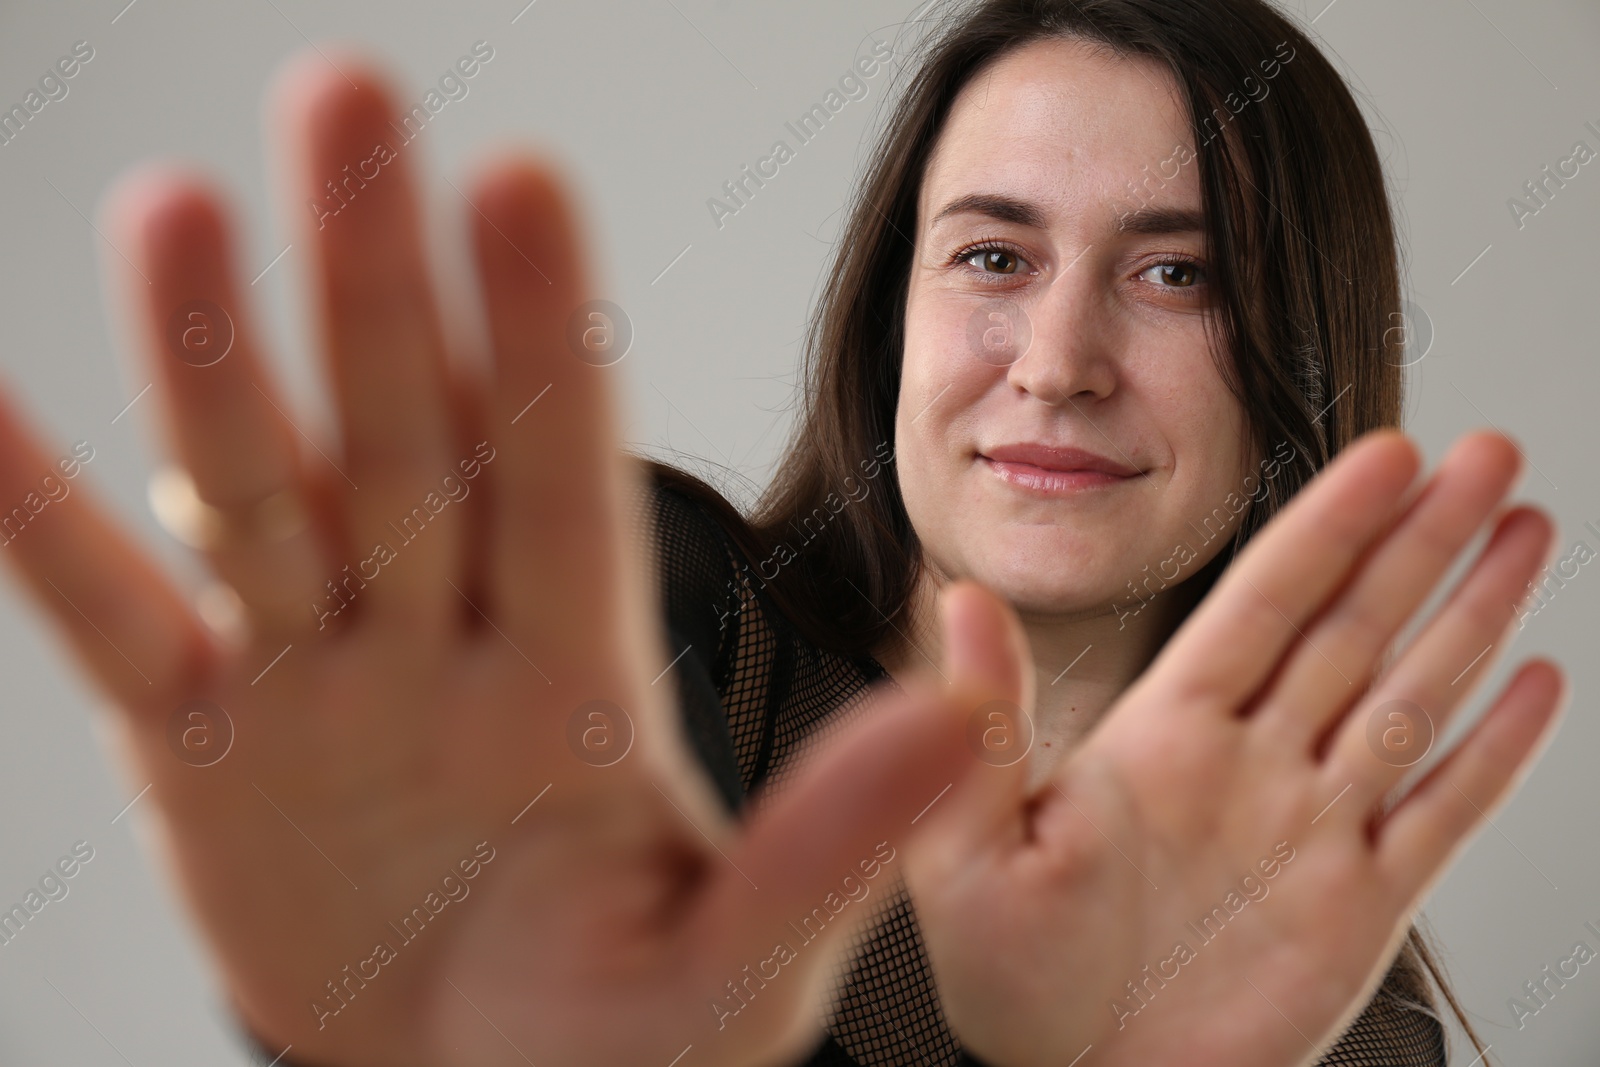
(1178,274)
(999,261)
(991,259)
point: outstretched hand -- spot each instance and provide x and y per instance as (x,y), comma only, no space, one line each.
(430,806)
(1212,876)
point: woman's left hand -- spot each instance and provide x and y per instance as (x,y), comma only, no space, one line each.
(1210,877)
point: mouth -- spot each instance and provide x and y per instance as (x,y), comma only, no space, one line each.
(1047,469)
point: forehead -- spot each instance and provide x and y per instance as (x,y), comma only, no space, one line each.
(1065,125)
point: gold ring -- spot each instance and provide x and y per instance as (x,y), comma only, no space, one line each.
(198,524)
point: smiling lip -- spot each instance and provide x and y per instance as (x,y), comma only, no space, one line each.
(1055,470)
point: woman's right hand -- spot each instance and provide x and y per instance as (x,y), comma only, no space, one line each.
(406,837)
(1212,876)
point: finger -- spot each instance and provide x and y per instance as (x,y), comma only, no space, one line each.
(556,501)
(1436,671)
(1239,633)
(355,196)
(986,652)
(121,616)
(1328,671)
(1416,841)
(225,420)
(830,836)
(990,671)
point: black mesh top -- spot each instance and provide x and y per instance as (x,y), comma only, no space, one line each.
(756,697)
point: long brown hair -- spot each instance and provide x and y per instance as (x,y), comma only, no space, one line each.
(1302,260)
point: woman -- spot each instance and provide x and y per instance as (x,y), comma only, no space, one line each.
(1032,136)
(454,823)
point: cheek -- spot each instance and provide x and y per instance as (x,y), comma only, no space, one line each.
(942,385)
(935,346)
(942,382)
(1203,427)
(1185,400)
(1208,430)
(943,357)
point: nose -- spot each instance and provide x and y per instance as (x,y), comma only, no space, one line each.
(1071,357)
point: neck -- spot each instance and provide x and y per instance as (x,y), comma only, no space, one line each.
(1082,661)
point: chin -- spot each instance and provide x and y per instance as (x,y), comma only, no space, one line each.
(1056,591)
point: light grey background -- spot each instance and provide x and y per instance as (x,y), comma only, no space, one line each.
(651,105)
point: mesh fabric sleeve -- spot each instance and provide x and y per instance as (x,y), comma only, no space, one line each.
(697,585)
(1398,1028)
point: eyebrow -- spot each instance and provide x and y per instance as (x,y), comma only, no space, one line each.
(1141,221)
(994,205)
(1160,221)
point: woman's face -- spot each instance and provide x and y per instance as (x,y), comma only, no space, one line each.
(1062,422)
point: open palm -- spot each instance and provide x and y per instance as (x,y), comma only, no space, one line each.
(1211,876)
(430,806)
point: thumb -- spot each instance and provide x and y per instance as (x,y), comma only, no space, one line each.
(990,668)
(893,769)
(986,652)
(814,861)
